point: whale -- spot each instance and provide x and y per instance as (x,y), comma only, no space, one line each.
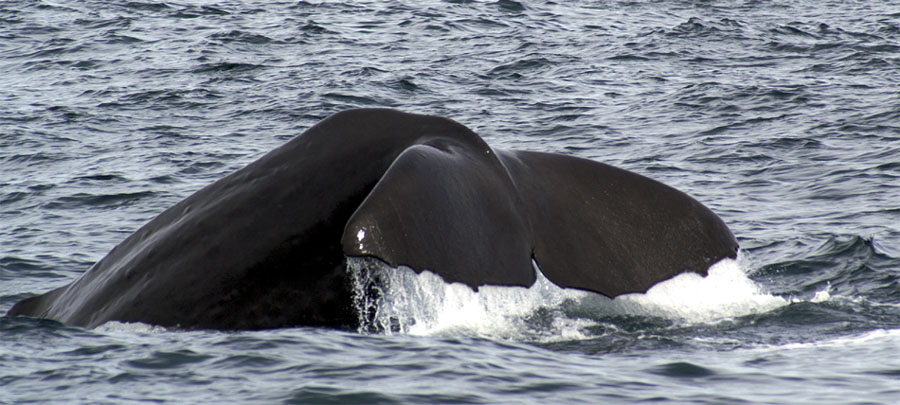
(267,246)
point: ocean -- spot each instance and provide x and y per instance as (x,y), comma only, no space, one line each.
(783,117)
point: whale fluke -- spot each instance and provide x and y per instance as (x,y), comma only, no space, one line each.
(266,246)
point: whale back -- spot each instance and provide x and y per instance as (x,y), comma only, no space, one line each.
(259,248)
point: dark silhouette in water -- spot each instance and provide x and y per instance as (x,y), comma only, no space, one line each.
(266,246)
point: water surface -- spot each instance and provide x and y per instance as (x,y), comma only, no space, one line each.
(780,116)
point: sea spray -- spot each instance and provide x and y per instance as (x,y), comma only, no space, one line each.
(726,292)
(398,300)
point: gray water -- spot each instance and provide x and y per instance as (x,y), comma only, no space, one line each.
(783,117)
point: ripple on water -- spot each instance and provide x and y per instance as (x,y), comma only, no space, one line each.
(106,201)
(682,369)
(168,360)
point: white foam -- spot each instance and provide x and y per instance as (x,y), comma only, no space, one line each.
(725,293)
(423,304)
(823,295)
(877,339)
(113,327)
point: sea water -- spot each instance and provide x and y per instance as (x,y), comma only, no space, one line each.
(781,116)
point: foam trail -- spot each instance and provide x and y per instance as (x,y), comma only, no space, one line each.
(401,301)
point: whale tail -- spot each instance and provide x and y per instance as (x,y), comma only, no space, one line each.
(265,246)
(479,216)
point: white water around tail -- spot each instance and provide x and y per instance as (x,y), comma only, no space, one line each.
(397,300)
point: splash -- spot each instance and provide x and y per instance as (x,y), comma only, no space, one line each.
(726,292)
(397,300)
(822,295)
